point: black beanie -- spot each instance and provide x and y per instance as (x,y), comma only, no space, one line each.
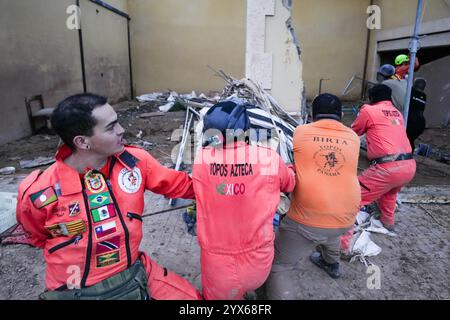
(327,106)
(380,92)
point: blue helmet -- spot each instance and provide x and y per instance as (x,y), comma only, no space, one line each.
(387,70)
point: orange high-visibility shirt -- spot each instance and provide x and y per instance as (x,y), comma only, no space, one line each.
(327,192)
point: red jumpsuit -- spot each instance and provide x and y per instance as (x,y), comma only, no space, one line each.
(386,135)
(237,190)
(90,226)
(402,70)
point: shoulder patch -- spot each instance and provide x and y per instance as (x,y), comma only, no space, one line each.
(43,198)
(28,181)
(127,158)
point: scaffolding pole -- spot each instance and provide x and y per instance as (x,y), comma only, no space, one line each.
(413,48)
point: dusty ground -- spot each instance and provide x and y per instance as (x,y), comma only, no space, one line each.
(414,265)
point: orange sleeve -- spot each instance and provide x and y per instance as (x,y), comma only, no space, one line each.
(287,176)
(168,182)
(361,122)
(33,221)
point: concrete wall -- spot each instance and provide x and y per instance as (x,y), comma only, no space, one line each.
(401,13)
(39,55)
(332,37)
(173,41)
(105,44)
(437,110)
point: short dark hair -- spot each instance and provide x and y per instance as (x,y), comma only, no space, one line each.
(380,92)
(327,106)
(73,116)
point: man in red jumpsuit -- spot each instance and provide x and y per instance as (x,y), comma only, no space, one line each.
(237,187)
(402,65)
(388,148)
(85,211)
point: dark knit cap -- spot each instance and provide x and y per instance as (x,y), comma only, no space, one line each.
(380,92)
(327,105)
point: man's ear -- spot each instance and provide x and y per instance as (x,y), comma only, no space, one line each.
(81,142)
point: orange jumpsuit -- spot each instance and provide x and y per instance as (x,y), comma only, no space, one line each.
(386,135)
(90,226)
(237,190)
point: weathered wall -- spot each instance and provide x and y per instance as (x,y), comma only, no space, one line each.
(332,37)
(437,110)
(173,41)
(401,13)
(105,44)
(272,54)
(38,55)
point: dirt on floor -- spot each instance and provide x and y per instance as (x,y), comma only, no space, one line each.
(414,264)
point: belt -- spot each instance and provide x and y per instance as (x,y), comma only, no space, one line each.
(130,284)
(392,158)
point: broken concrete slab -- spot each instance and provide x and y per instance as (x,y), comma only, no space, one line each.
(7,170)
(273,52)
(37,162)
(8,201)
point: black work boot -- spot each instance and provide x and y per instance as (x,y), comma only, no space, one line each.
(332,269)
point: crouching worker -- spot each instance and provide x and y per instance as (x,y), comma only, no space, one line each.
(388,148)
(237,187)
(85,210)
(325,200)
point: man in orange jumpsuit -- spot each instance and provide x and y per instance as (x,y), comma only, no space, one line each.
(325,200)
(389,150)
(85,210)
(237,187)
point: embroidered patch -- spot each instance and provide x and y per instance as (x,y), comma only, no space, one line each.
(130,181)
(103,213)
(59,211)
(105,229)
(95,182)
(43,198)
(107,259)
(108,245)
(72,228)
(74,209)
(98,200)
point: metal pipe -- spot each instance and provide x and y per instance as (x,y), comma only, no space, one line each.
(129,60)
(413,48)
(366,59)
(111,8)
(80,38)
(167,210)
